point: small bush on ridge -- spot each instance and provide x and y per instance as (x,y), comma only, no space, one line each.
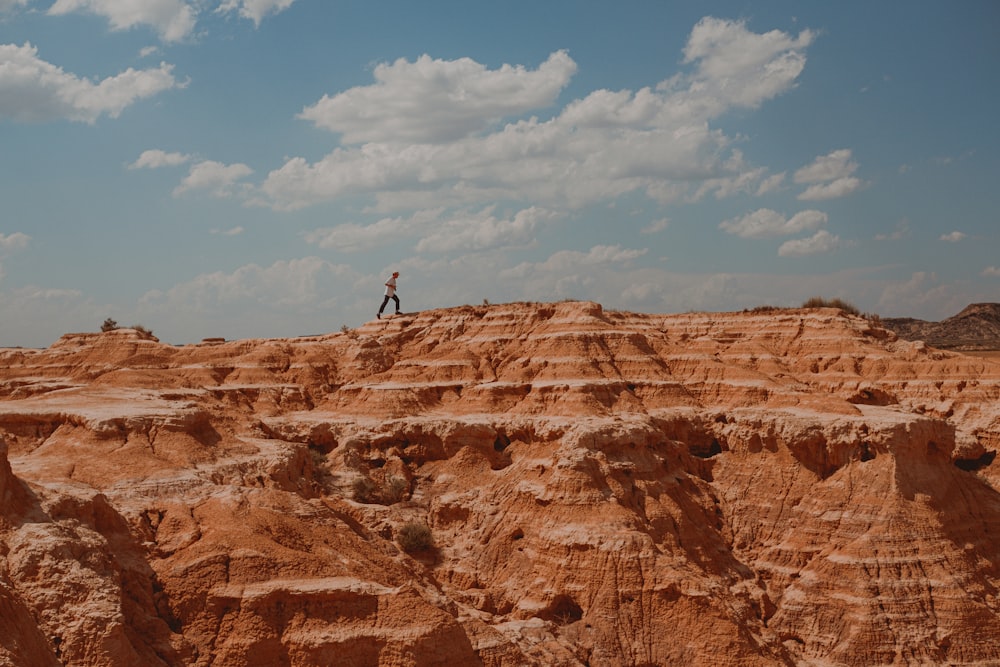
(820,302)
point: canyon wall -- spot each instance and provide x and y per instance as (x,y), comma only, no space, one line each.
(791,487)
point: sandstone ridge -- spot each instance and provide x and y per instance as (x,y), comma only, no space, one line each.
(601,487)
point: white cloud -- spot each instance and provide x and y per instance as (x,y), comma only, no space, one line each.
(831,167)
(473,231)
(900,231)
(991,272)
(463,230)
(155,158)
(351,237)
(545,162)
(255,10)
(821,242)
(829,176)
(44,314)
(838,188)
(8,5)
(172,19)
(766,222)
(438,100)
(952,237)
(771,184)
(220,179)
(425,133)
(656,226)
(739,178)
(15,241)
(284,285)
(34,90)
(574,260)
(741,68)
(913,295)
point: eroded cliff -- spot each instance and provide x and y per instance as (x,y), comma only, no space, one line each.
(602,488)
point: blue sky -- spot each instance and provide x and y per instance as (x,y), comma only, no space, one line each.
(257,168)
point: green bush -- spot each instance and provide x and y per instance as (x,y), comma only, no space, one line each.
(109,325)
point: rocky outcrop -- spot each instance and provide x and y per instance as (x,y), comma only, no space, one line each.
(977,327)
(600,488)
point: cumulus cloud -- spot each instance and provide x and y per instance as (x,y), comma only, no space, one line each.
(570,261)
(8,5)
(741,68)
(429,100)
(766,222)
(428,131)
(34,90)
(820,243)
(739,178)
(221,180)
(991,272)
(837,164)
(352,237)
(952,237)
(15,241)
(173,20)
(771,183)
(838,188)
(155,158)
(255,10)
(829,176)
(473,231)
(438,231)
(914,295)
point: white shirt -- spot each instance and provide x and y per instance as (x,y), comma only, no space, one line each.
(390,286)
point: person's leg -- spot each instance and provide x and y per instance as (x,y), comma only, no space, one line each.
(396,299)
(384,301)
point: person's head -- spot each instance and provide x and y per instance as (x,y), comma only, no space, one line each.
(395,274)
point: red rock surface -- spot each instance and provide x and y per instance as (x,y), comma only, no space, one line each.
(602,488)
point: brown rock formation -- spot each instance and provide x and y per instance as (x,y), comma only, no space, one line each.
(977,327)
(602,488)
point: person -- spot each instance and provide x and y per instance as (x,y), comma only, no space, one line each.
(390,293)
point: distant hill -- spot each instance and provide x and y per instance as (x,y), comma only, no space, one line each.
(977,327)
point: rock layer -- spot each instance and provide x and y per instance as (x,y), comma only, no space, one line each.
(601,488)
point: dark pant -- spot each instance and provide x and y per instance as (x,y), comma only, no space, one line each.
(386,300)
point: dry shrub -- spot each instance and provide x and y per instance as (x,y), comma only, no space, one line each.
(875,320)
(396,489)
(820,302)
(390,491)
(414,537)
(364,490)
(143,331)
